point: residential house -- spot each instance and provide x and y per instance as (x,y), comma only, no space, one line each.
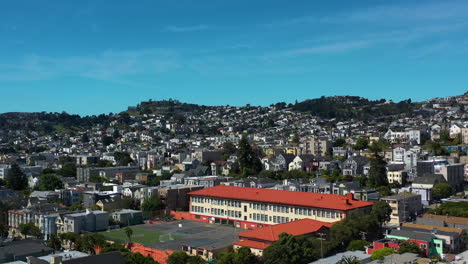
(281,162)
(405,207)
(89,221)
(396,173)
(109,204)
(354,165)
(301,162)
(452,237)
(455,130)
(128,217)
(464,133)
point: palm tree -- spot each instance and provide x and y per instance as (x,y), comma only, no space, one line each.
(349,260)
(129,233)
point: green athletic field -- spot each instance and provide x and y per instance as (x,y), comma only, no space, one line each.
(142,236)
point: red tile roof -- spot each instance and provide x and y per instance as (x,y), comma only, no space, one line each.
(306,199)
(251,244)
(295,228)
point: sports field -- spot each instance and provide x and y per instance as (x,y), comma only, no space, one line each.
(142,236)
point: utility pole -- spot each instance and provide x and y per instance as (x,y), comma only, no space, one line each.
(321,244)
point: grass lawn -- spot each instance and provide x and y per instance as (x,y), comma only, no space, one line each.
(142,236)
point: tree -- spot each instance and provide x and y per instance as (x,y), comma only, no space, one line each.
(76,207)
(128,232)
(381,211)
(16,179)
(151,205)
(137,258)
(3,230)
(384,191)
(130,203)
(116,134)
(229,148)
(67,170)
(441,191)
(292,250)
(88,242)
(54,242)
(249,160)
(378,172)
(50,182)
(29,229)
(122,158)
(85,138)
(411,247)
(349,260)
(459,209)
(361,144)
(339,142)
(357,245)
(178,257)
(107,140)
(244,256)
(379,254)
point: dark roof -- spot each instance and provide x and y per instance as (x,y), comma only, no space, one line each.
(429,179)
(396,167)
(111,257)
(423,236)
(360,160)
(23,247)
(7,193)
(306,157)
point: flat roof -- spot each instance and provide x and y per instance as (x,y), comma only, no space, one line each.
(193,233)
(306,199)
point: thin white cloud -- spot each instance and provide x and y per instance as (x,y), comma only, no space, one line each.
(108,65)
(327,48)
(181,29)
(423,11)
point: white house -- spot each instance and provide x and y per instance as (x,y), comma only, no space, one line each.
(455,130)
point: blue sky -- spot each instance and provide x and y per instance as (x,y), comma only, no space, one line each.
(100,56)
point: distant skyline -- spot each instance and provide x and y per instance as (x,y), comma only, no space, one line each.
(91,57)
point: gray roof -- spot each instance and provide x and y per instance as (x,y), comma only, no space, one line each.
(23,247)
(435,179)
(111,257)
(401,195)
(361,255)
(397,258)
(412,234)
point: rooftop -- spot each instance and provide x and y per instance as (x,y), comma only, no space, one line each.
(251,244)
(431,227)
(448,219)
(295,228)
(402,195)
(316,200)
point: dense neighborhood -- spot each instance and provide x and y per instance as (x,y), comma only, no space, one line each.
(330,180)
